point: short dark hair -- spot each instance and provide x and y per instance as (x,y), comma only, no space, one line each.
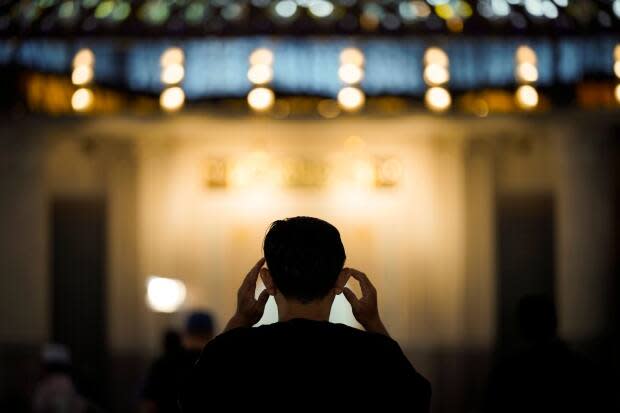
(199,323)
(304,256)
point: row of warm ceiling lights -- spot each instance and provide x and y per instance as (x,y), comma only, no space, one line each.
(350,98)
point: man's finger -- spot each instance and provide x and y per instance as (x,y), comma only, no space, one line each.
(251,277)
(365,284)
(262,300)
(350,296)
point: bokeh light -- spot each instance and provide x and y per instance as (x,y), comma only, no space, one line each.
(260,74)
(261,99)
(172,74)
(82,100)
(527,97)
(165,295)
(351,99)
(82,75)
(350,73)
(435,55)
(438,99)
(435,74)
(172,99)
(353,56)
(171,56)
(526,72)
(84,57)
(526,54)
(261,56)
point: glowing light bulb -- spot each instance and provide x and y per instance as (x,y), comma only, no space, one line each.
(351,99)
(435,55)
(172,99)
(165,295)
(261,99)
(260,74)
(172,74)
(527,97)
(525,54)
(261,56)
(438,99)
(617,69)
(82,75)
(320,8)
(171,56)
(526,72)
(352,56)
(350,73)
(286,8)
(84,57)
(82,99)
(435,74)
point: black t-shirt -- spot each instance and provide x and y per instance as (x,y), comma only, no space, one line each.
(165,377)
(304,364)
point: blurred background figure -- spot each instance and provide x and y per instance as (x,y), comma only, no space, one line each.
(165,376)
(56,391)
(544,374)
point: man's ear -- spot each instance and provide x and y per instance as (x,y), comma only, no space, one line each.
(341,281)
(265,275)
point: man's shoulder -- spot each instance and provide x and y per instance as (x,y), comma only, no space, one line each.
(336,332)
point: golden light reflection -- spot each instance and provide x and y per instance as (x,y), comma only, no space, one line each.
(351,99)
(263,171)
(526,73)
(84,57)
(350,74)
(260,74)
(82,75)
(82,100)
(261,99)
(261,56)
(527,97)
(617,93)
(328,108)
(352,56)
(172,56)
(172,74)
(438,99)
(526,54)
(435,55)
(172,99)
(436,75)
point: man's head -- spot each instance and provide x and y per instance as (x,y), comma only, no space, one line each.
(305,256)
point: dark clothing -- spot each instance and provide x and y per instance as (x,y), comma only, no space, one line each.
(165,378)
(314,364)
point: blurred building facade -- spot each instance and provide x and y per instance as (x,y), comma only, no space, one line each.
(479,213)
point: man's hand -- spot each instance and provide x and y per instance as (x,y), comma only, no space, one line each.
(365,309)
(249,309)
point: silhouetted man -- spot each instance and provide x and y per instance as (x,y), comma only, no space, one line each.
(304,362)
(544,375)
(160,393)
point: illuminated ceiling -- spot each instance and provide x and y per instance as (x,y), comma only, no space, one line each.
(238,17)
